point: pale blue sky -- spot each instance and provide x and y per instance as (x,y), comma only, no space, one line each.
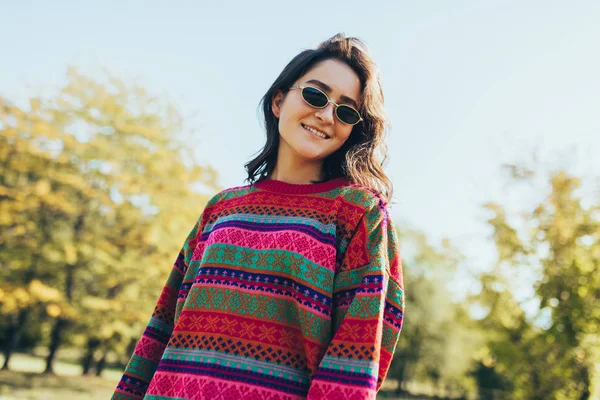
(468,84)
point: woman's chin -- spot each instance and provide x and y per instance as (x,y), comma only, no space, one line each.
(308,150)
(311,154)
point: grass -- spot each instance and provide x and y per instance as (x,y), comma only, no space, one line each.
(25,381)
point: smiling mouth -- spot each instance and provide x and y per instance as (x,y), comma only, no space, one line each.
(315,132)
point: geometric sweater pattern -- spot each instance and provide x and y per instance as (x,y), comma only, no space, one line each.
(280,291)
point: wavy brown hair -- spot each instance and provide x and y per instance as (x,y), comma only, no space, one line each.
(362,157)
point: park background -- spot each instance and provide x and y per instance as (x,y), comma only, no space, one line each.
(119,119)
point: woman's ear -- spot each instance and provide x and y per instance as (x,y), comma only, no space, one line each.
(276,103)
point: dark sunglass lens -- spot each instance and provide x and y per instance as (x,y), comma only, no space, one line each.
(347,115)
(314,97)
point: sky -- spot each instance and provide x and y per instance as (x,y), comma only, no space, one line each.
(469,85)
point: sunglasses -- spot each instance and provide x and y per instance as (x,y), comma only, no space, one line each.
(317,98)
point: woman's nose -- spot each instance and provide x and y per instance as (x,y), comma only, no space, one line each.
(326,114)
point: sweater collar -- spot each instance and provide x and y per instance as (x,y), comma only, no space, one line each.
(293,188)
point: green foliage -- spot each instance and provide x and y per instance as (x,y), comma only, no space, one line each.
(554,354)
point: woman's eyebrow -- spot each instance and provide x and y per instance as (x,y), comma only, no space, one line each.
(327,88)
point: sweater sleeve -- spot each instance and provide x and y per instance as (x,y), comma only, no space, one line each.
(150,348)
(368,308)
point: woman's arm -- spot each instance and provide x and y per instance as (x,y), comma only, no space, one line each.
(368,312)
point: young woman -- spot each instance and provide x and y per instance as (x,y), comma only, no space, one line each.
(289,287)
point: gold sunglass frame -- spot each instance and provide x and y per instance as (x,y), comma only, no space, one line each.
(301,87)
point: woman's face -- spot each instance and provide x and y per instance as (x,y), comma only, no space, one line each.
(297,118)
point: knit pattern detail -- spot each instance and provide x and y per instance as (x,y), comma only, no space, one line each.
(280,291)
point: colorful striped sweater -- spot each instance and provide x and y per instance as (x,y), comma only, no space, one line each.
(281,291)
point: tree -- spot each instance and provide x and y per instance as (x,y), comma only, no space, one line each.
(554,354)
(97,184)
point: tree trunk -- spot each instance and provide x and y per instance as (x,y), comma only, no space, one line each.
(101,363)
(88,360)
(585,394)
(399,371)
(14,336)
(16,330)
(61,323)
(55,340)
(408,358)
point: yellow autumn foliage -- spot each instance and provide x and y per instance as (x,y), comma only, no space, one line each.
(95,202)
(44,293)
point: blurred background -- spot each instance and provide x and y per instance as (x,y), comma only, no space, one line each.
(119,119)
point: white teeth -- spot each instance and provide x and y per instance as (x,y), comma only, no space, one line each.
(316,132)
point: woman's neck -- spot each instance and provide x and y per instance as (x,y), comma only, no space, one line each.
(296,175)
(292,170)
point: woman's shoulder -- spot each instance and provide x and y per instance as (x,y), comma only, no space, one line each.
(229,193)
(362,196)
